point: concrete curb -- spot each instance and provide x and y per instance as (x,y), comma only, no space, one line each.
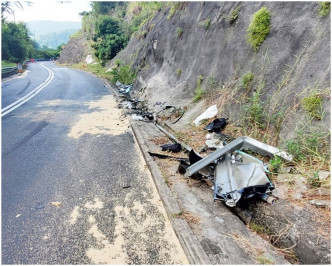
(190,244)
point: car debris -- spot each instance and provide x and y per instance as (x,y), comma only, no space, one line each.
(164,156)
(124,89)
(174,147)
(238,175)
(217,125)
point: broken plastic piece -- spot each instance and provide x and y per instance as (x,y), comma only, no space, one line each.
(209,113)
(174,147)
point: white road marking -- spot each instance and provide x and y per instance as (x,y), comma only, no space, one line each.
(30,95)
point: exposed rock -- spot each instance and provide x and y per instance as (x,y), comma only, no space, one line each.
(298,37)
(75,51)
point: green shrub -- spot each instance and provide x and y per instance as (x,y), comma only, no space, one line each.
(124,74)
(313,105)
(259,28)
(324,8)
(179,32)
(247,80)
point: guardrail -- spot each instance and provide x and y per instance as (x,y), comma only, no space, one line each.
(8,71)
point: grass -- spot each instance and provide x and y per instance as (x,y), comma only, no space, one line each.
(324,8)
(259,28)
(5,63)
(199,91)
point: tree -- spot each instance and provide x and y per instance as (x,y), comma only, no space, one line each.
(102,8)
(16,43)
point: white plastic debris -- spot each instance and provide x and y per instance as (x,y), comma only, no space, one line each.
(89,59)
(209,113)
(137,117)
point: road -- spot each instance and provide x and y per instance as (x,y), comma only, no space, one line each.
(75,189)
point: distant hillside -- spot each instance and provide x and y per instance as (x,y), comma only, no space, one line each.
(42,27)
(54,39)
(52,33)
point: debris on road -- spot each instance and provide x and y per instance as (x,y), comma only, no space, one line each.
(56,204)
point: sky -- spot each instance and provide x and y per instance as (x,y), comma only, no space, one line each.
(52,10)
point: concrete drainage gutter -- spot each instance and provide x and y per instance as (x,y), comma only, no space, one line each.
(190,244)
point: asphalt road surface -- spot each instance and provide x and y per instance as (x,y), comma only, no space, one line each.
(75,189)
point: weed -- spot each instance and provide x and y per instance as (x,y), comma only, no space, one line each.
(324,8)
(212,84)
(276,164)
(118,62)
(199,91)
(179,72)
(179,32)
(314,180)
(253,111)
(234,15)
(264,260)
(259,229)
(247,80)
(311,145)
(207,23)
(294,148)
(259,28)
(313,105)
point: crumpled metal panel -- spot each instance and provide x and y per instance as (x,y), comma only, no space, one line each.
(232,177)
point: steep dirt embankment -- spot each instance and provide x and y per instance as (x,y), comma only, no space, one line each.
(199,40)
(75,51)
